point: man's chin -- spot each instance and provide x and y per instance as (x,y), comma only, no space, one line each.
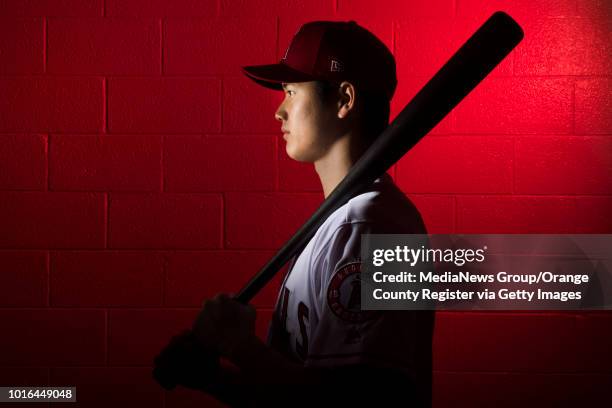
(299,158)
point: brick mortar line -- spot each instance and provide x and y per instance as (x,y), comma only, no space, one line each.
(164,280)
(106,219)
(69,75)
(223,221)
(393,38)
(163,252)
(455,214)
(163,183)
(277,164)
(528,373)
(106,336)
(221,99)
(105,105)
(48,273)
(254,135)
(296,194)
(573,108)
(47,162)
(205,75)
(568,314)
(277,44)
(514,166)
(501,372)
(45,44)
(115,308)
(161,46)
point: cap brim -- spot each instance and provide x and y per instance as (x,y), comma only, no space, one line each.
(274,75)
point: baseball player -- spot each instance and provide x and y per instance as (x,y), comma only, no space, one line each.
(338,80)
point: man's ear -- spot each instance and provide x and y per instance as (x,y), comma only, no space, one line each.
(346,101)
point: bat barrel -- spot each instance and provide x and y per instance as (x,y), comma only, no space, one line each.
(481,53)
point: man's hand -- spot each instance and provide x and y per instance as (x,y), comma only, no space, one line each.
(225,325)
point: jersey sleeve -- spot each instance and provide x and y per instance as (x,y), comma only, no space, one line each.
(347,335)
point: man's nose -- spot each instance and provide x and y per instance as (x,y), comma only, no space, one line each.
(280,113)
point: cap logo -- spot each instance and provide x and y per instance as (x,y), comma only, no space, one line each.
(336,66)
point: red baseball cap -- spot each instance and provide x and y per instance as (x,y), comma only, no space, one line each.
(332,51)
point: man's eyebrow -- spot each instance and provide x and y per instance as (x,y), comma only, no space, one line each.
(284,85)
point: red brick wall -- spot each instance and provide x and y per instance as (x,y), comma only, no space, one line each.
(140,173)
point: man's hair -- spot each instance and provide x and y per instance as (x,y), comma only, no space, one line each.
(375,107)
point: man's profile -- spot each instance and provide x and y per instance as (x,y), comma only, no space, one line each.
(338,80)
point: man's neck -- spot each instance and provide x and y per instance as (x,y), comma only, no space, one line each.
(335,165)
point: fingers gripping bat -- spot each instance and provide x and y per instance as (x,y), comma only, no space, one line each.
(482,52)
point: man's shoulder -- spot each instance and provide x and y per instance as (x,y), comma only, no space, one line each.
(383,209)
(386,209)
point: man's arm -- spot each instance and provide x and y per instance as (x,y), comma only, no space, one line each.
(261,376)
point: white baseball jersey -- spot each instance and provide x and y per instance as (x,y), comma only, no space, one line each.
(318,319)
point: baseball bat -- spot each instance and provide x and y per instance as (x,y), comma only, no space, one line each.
(482,52)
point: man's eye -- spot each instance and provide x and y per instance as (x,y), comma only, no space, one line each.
(290,92)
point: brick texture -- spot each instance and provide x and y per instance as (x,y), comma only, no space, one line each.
(593,215)
(163,105)
(248,108)
(95,278)
(51,8)
(571,165)
(478,339)
(160,8)
(217,47)
(513,105)
(103,46)
(523,10)
(51,104)
(594,8)
(21,45)
(23,278)
(71,337)
(516,214)
(141,173)
(108,163)
(220,163)
(165,221)
(585,51)
(392,9)
(538,390)
(18,174)
(593,103)
(51,220)
(479,164)
(282,8)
